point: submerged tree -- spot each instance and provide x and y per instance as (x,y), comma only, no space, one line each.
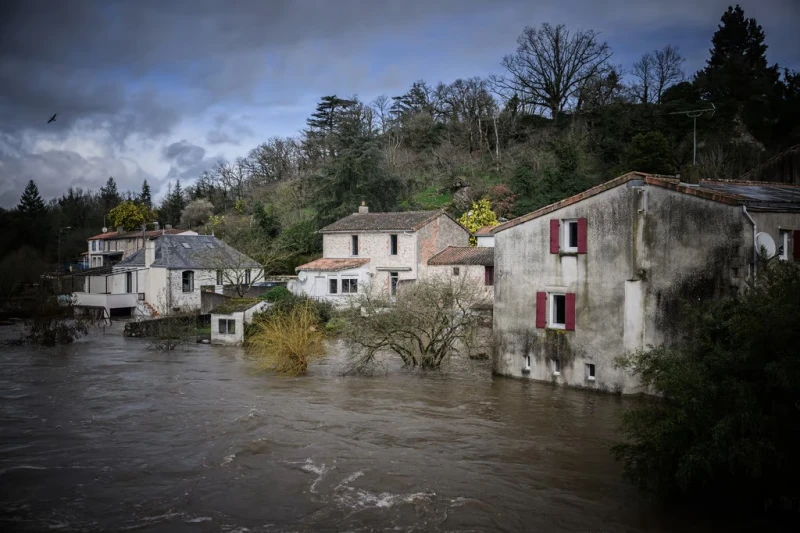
(427,322)
(724,424)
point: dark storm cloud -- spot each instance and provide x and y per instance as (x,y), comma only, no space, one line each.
(136,71)
(184,153)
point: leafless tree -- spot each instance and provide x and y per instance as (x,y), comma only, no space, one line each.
(551,64)
(196,212)
(644,71)
(380,107)
(668,69)
(427,322)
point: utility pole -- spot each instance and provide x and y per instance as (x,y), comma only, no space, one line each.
(693,115)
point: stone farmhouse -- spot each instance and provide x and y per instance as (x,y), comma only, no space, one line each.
(111,247)
(166,276)
(470,264)
(591,277)
(377,252)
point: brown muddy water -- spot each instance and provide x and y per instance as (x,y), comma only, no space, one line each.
(107,435)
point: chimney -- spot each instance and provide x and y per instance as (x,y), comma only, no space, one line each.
(120,229)
(155,226)
(363,208)
(149,252)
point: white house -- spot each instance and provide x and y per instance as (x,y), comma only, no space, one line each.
(377,251)
(229,319)
(166,276)
(111,247)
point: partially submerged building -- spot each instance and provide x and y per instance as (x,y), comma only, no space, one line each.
(166,276)
(473,265)
(584,280)
(229,319)
(377,252)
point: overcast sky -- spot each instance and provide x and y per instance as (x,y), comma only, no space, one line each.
(161,89)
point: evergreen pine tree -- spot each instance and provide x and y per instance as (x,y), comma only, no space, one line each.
(144,197)
(31,205)
(737,77)
(109,195)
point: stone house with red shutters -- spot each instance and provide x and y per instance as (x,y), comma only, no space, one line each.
(582,281)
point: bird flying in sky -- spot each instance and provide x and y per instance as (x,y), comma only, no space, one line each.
(53,118)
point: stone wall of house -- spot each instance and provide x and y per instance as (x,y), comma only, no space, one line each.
(474,275)
(437,236)
(185,301)
(647,247)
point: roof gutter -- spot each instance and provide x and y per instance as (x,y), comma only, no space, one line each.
(755,231)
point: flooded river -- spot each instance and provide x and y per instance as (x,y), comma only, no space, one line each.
(108,435)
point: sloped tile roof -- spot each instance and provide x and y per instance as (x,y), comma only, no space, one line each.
(484,230)
(464,255)
(191,252)
(332,265)
(400,221)
(112,235)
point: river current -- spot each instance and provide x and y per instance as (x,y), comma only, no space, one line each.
(108,435)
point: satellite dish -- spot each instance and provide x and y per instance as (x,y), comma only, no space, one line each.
(105,229)
(765,245)
(301,276)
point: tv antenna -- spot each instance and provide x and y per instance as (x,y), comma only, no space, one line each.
(693,115)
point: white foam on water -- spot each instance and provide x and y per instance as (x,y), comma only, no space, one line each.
(228,459)
(310,467)
(22,467)
(197,519)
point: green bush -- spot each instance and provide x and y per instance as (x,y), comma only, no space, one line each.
(277,294)
(725,426)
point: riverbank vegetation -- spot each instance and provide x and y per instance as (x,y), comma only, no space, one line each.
(725,426)
(286,339)
(423,324)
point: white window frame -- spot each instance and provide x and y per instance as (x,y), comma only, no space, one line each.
(335,279)
(551,323)
(565,225)
(783,237)
(526,363)
(228,322)
(355,250)
(191,281)
(591,371)
(556,367)
(349,279)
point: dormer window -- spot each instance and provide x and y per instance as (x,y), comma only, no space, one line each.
(354,245)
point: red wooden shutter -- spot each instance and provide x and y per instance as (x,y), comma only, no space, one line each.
(570,318)
(796,245)
(554,235)
(541,307)
(581,235)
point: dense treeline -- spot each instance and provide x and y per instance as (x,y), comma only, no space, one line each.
(537,132)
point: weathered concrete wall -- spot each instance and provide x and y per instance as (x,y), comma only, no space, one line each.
(317,284)
(637,267)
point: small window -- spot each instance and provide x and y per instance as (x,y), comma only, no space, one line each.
(488,275)
(129,282)
(393,244)
(227,326)
(220,278)
(333,285)
(247,277)
(185,245)
(558,310)
(526,363)
(187,281)
(393,281)
(590,371)
(456,271)
(783,245)
(570,240)
(556,367)
(349,286)
(354,245)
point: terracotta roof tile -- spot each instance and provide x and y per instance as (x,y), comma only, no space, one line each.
(484,230)
(332,265)
(464,255)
